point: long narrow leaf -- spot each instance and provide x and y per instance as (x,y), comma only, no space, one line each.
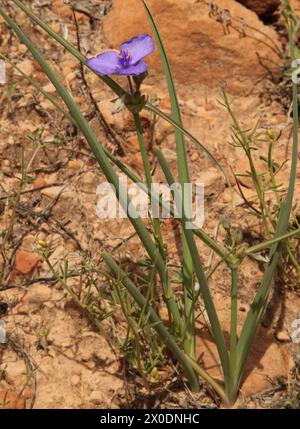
(184,177)
(164,334)
(204,289)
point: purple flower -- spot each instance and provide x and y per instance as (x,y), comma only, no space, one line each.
(128,61)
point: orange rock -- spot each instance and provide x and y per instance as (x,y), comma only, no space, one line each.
(199,51)
(242,171)
(136,161)
(36,66)
(26,262)
(11,400)
(165,104)
(65,11)
(194,156)
(62,9)
(74,165)
(39,183)
(132,144)
(81,17)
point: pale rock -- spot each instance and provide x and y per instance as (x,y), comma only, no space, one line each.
(14,369)
(50,305)
(85,351)
(242,170)
(194,156)
(163,132)
(35,299)
(212,180)
(22,48)
(29,242)
(91,365)
(52,179)
(96,397)
(53,192)
(26,66)
(282,336)
(114,120)
(89,181)
(6,167)
(49,88)
(75,380)
(58,254)
(46,104)
(73,164)
(232,198)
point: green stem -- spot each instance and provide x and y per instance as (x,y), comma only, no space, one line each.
(233,322)
(147,170)
(203,374)
(164,334)
(204,289)
(155,221)
(267,244)
(184,178)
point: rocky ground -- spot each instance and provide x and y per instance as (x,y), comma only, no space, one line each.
(55,357)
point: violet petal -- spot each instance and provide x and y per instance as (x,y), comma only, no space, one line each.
(138,47)
(134,70)
(106,63)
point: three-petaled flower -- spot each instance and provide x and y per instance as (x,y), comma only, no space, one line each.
(128,61)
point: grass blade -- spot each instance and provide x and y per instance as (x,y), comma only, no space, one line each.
(164,334)
(184,177)
(204,289)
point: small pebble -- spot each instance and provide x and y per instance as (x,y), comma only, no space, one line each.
(75,380)
(194,156)
(282,336)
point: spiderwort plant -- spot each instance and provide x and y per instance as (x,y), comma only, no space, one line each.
(128,62)
(233,358)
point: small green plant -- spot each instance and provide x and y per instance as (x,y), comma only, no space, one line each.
(139,303)
(269,192)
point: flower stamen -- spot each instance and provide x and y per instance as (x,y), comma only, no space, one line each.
(125,58)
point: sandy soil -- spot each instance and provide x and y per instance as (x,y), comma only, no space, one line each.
(55,357)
